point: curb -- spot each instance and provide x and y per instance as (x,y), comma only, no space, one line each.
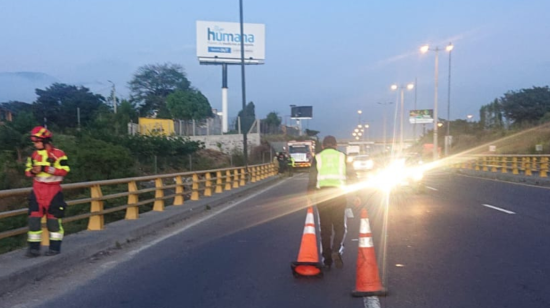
(16,270)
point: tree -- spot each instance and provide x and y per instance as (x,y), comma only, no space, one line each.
(271,123)
(526,105)
(491,115)
(14,136)
(188,105)
(152,84)
(312,133)
(247,120)
(59,103)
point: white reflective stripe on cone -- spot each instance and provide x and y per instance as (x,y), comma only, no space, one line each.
(365,226)
(309,219)
(365,242)
(309,230)
(56,236)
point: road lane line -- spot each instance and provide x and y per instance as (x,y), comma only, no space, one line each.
(498,209)
(371,302)
(428,187)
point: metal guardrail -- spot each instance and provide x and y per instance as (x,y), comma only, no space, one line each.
(516,164)
(196,184)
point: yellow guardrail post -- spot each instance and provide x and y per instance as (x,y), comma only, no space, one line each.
(504,162)
(219,182)
(484,163)
(179,198)
(96,222)
(477,162)
(543,167)
(515,169)
(534,164)
(528,167)
(236,178)
(132,212)
(195,187)
(243,177)
(253,174)
(494,165)
(45,239)
(227,180)
(158,206)
(208,185)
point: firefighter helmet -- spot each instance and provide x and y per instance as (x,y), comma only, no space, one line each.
(41,133)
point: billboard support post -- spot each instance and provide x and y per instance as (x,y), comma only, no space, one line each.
(224,98)
(245,150)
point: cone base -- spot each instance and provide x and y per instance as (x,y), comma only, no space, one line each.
(306,269)
(381,292)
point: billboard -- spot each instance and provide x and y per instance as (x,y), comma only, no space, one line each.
(423,116)
(301,112)
(156,127)
(220,42)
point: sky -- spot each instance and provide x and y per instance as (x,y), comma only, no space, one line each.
(336,56)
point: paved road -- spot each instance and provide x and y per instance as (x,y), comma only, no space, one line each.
(456,245)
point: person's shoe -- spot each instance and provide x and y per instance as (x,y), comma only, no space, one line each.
(326,267)
(32,253)
(338,262)
(50,253)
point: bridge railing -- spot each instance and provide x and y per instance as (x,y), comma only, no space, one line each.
(176,187)
(528,165)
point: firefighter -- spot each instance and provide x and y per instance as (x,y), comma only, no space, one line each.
(47,166)
(328,176)
(290,165)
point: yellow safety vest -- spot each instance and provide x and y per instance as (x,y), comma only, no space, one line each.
(331,168)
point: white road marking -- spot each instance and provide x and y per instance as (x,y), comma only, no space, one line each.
(371,302)
(498,209)
(428,187)
(225,208)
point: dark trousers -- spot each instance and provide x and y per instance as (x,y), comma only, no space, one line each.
(332,219)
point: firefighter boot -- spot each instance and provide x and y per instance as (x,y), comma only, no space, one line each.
(34,250)
(55,248)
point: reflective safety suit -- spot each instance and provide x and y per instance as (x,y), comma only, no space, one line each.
(328,176)
(46,197)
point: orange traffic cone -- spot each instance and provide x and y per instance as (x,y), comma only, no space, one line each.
(308,258)
(368,281)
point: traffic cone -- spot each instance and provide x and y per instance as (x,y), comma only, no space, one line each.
(368,280)
(308,258)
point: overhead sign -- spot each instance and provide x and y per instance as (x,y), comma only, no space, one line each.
(301,112)
(423,116)
(220,42)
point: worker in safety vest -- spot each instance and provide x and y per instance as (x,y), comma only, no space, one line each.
(47,166)
(328,176)
(291,165)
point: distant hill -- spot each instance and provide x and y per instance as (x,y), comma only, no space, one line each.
(20,86)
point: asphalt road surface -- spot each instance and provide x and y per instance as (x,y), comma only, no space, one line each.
(464,242)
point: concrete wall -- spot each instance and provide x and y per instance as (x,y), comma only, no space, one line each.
(228,142)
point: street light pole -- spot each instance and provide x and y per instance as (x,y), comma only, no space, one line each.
(425,49)
(245,142)
(385,143)
(448,137)
(395,87)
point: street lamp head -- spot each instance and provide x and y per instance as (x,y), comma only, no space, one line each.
(449,47)
(469,116)
(439,124)
(354,134)
(357,129)
(410,86)
(359,125)
(394,87)
(424,49)
(367,126)
(359,111)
